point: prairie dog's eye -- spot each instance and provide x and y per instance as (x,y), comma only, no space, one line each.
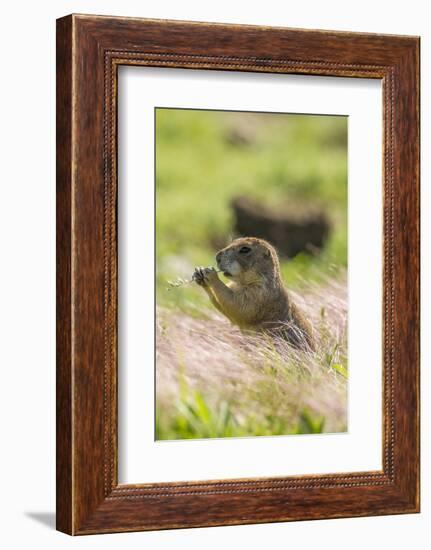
(244,250)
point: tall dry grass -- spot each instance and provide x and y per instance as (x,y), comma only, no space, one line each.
(214,381)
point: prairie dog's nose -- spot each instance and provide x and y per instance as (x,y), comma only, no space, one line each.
(218,257)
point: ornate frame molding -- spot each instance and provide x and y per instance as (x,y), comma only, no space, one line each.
(90,49)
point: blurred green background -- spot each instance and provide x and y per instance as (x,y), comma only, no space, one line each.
(206,158)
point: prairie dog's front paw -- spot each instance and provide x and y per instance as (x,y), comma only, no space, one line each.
(198,276)
(209,274)
(203,276)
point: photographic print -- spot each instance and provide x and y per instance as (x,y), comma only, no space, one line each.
(251,271)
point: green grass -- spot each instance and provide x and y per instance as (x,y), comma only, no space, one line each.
(213,381)
(192,417)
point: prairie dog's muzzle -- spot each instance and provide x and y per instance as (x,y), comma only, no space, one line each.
(227,264)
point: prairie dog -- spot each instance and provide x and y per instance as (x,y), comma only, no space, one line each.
(255,297)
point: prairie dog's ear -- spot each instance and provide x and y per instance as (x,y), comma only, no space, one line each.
(266,252)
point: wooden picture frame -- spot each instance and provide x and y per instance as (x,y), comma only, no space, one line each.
(89,51)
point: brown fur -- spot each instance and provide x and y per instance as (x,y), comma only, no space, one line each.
(255,297)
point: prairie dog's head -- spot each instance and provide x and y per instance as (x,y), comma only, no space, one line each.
(249,260)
